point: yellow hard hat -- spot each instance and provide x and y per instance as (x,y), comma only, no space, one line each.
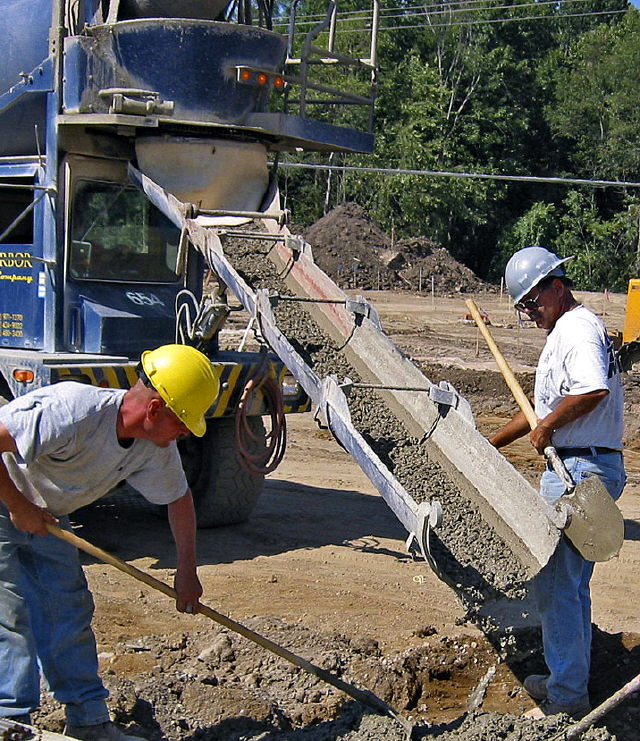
(186,380)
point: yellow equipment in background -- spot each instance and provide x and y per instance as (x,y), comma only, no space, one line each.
(631,330)
(629,352)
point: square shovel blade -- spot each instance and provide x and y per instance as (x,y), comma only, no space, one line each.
(596,526)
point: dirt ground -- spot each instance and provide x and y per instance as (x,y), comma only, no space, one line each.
(321,568)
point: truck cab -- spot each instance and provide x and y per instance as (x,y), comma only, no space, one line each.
(199,98)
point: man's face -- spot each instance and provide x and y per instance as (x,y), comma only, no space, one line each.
(162,425)
(543,305)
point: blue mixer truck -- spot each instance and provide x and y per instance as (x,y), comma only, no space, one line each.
(91,272)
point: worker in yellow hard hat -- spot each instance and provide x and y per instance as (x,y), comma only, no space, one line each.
(185,380)
(62,447)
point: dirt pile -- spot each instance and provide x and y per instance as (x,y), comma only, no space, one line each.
(353,251)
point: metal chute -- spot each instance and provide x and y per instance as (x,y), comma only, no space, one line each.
(435,414)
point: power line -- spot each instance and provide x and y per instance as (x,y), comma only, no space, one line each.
(468,175)
(488,21)
(454,21)
(368,11)
(421,10)
(450,13)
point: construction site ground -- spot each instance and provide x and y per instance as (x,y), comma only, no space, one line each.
(321,568)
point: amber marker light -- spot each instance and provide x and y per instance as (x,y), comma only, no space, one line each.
(278,82)
(23,375)
(262,79)
(245,75)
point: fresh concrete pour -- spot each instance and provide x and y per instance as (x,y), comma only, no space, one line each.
(466,548)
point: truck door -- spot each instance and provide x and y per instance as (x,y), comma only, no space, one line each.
(22,277)
(120,277)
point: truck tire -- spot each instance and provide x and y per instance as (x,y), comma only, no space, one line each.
(223,492)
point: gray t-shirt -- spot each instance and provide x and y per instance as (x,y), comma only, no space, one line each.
(69,454)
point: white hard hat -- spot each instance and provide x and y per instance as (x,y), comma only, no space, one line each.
(527,267)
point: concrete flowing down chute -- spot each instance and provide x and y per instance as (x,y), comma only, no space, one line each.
(435,414)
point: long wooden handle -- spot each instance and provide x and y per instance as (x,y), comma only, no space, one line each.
(509,377)
(575,731)
(550,453)
(365,696)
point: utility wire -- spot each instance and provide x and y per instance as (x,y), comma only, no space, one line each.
(450,13)
(367,11)
(454,21)
(487,21)
(410,11)
(469,175)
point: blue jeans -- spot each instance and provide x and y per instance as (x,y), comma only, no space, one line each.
(561,588)
(45,622)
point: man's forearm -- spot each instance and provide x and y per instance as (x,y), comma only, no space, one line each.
(572,408)
(182,520)
(9,494)
(568,410)
(12,498)
(516,428)
(25,515)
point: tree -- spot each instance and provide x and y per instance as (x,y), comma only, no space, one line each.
(596,100)
(490,90)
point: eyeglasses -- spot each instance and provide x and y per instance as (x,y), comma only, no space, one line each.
(529,304)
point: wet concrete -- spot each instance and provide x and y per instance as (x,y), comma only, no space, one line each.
(471,553)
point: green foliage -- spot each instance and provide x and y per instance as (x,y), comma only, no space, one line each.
(605,250)
(596,101)
(493,90)
(603,253)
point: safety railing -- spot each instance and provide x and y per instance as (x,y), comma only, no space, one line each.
(311,55)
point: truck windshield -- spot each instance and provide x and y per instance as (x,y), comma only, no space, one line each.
(117,235)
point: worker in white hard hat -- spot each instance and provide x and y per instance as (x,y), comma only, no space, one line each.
(64,446)
(579,405)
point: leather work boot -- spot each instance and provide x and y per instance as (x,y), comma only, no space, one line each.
(576,711)
(108,731)
(536,685)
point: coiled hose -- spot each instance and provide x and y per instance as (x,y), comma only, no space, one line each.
(267,459)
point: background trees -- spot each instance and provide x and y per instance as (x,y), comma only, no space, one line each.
(528,88)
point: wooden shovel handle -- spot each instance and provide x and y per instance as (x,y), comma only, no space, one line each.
(509,377)
(550,453)
(365,696)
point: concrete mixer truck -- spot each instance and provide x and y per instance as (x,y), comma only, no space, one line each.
(198,95)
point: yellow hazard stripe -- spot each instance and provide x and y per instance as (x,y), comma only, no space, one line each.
(111,377)
(228,382)
(106,376)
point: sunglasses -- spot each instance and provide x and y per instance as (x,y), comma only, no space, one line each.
(530,304)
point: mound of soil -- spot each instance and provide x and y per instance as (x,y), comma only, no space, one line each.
(352,250)
(425,262)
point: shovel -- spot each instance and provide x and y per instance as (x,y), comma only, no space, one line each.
(576,730)
(366,697)
(594,523)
